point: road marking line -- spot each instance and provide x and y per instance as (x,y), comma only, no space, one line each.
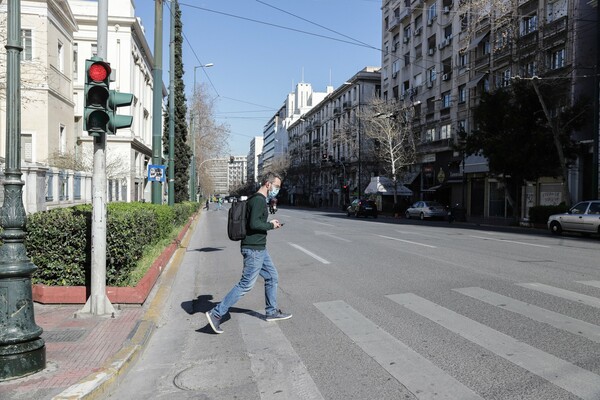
(278,370)
(511,241)
(313,255)
(562,293)
(570,377)
(411,369)
(408,241)
(595,284)
(559,321)
(323,223)
(331,235)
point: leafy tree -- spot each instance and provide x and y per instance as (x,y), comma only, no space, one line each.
(182,152)
(513,133)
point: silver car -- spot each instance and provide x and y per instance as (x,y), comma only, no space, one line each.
(426,209)
(583,217)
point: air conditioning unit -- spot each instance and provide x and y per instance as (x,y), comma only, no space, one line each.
(429,22)
(446,9)
(431,51)
(406,39)
(418,31)
(394,74)
(442,45)
(445,77)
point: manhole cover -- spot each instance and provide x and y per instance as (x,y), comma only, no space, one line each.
(69,335)
(214,374)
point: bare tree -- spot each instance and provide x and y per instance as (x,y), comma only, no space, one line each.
(280,165)
(389,126)
(209,138)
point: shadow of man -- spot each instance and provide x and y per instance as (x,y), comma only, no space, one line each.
(204,303)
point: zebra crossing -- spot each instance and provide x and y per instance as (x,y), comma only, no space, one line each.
(427,381)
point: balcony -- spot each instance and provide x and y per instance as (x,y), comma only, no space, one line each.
(337,111)
(555,27)
(394,22)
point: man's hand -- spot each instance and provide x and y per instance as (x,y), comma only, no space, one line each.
(276,223)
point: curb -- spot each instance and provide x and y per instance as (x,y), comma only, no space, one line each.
(99,383)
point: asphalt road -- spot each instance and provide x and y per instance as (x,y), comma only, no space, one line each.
(383,309)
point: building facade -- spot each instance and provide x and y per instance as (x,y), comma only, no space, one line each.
(441,58)
(330,159)
(129,152)
(256,146)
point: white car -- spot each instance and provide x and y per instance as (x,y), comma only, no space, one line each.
(426,209)
(583,217)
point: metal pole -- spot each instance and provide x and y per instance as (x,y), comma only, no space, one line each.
(156,187)
(193,162)
(98,303)
(172,110)
(22,351)
(596,129)
(359,144)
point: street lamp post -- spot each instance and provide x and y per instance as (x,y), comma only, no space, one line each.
(193,181)
(22,350)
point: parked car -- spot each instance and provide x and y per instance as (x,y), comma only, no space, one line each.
(583,217)
(362,207)
(426,209)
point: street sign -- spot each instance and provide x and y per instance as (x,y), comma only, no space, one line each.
(156,173)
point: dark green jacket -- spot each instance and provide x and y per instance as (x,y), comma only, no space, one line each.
(256,231)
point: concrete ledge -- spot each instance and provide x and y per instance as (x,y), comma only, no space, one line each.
(45,294)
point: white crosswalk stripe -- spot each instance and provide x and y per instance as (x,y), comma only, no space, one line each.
(411,369)
(570,377)
(278,370)
(562,293)
(559,321)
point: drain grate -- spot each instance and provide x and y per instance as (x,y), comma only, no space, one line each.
(69,335)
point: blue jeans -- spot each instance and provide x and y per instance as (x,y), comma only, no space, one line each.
(256,262)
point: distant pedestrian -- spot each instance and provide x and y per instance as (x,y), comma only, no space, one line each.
(257,260)
(207,204)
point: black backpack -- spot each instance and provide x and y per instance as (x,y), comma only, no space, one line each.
(237,220)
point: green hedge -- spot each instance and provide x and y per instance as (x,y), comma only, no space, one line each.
(59,241)
(540,214)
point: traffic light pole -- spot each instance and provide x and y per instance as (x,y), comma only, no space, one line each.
(22,351)
(98,302)
(157,98)
(171,168)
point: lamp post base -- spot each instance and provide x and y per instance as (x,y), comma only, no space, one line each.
(22,359)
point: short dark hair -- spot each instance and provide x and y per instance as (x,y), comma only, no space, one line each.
(269,177)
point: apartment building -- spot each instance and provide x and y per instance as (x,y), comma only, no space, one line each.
(326,148)
(130,150)
(256,146)
(441,57)
(237,172)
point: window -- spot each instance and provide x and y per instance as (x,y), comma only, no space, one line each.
(75,59)
(506,75)
(528,24)
(464,22)
(431,13)
(448,33)
(395,67)
(26,38)
(419,51)
(26,147)
(446,100)
(557,59)
(60,63)
(407,34)
(418,80)
(446,132)
(62,137)
(462,93)
(418,21)
(430,135)
(530,69)
(463,59)
(386,48)
(406,59)
(431,74)
(461,125)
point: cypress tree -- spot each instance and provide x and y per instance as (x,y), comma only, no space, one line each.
(182,152)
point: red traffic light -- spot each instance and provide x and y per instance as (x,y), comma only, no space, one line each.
(99,71)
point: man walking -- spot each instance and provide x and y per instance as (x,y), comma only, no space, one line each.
(257,260)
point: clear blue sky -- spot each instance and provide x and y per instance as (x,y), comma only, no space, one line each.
(262,48)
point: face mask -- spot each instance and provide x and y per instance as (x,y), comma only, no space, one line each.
(273,192)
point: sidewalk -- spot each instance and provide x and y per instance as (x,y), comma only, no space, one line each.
(86,354)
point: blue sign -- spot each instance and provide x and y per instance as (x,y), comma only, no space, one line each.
(156,173)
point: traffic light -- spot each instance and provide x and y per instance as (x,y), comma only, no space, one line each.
(116,100)
(96,93)
(324,156)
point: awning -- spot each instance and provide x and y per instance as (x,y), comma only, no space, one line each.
(475,42)
(473,82)
(432,188)
(385,186)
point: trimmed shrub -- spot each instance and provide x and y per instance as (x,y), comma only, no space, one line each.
(540,214)
(59,241)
